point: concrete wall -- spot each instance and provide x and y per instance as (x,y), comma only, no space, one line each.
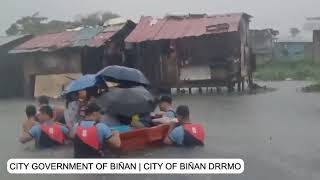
(292,51)
(59,62)
(316,46)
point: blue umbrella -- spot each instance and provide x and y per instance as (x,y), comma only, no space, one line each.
(121,73)
(84,82)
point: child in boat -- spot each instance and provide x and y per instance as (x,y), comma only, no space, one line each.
(91,136)
(185,133)
(167,115)
(165,107)
(48,133)
(31,112)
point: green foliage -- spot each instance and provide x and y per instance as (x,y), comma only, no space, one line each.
(277,71)
(96,18)
(37,24)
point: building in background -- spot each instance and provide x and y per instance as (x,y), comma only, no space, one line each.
(262,43)
(297,48)
(61,57)
(11,72)
(316,46)
(195,50)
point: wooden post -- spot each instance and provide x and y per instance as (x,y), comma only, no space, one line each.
(239,86)
(242,84)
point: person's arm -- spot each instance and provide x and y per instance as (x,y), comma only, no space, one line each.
(66,132)
(28,136)
(174,137)
(114,140)
(25,137)
(111,137)
(167,140)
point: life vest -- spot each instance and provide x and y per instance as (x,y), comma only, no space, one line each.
(51,135)
(193,135)
(86,143)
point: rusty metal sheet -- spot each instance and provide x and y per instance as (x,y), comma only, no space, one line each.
(47,42)
(91,37)
(100,39)
(150,28)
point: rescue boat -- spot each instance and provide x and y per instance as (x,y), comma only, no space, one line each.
(139,139)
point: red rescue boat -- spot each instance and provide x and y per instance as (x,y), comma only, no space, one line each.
(139,139)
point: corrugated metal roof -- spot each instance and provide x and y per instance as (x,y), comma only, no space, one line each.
(7,39)
(47,42)
(174,27)
(91,37)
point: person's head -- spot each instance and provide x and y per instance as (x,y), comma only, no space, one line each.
(183,113)
(93,112)
(165,103)
(31,111)
(43,100)
(45,113)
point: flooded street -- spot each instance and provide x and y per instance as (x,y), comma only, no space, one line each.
(276,134)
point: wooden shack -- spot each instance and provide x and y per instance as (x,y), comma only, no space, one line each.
(11,76)
(262,42)
(68,54)
(316,46)
(195,50)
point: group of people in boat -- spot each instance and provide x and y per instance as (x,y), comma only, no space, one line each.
(51,126)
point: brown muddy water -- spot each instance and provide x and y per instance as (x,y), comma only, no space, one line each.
(276,134)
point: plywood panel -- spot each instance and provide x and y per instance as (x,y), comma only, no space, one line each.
(52,85)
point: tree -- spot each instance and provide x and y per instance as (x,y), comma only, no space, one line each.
(294,31)
(96,18)
(27,25)
(36,25)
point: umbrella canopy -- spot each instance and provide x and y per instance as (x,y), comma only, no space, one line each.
(121,73)
(127,102)
(84,82)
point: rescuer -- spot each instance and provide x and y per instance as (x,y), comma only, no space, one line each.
(91,136)
(48,133)
(185,133)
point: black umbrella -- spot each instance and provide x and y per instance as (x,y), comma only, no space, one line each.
(127,102)
(121,73)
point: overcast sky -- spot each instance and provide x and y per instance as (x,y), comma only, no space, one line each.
(278,14)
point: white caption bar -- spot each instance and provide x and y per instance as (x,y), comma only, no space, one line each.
(125,166)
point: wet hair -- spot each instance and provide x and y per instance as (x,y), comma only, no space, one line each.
(165,98)
(46,110)
(31,111)
(91,108)
(43,100)
(183,111)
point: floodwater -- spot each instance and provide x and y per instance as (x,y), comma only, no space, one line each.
(276,134)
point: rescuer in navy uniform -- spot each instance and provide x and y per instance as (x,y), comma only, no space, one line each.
(184,133)
(48,133)
(91,137)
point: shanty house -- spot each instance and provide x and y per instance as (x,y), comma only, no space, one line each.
(316,46)
(52,60)
(11,76)
(262,43)
(295,48)
(195,50)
